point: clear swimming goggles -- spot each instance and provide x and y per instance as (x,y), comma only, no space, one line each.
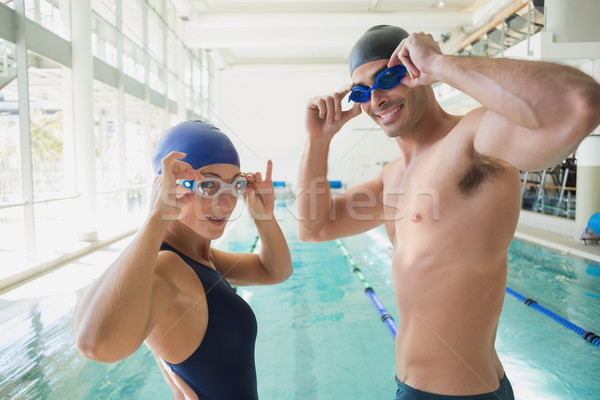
(386,79)
(214,187)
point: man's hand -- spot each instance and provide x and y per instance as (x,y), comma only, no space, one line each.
(419,53)
(325,117)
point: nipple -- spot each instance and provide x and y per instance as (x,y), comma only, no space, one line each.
(416,217)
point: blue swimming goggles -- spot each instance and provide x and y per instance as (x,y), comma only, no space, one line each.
(214,187)
(386,79)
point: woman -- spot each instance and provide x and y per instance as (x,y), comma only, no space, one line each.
(170,289)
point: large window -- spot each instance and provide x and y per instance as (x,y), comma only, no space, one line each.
(106,9)
(156,76)
(48,14)
(187,77)
(159,122)
(133,22)
(206,87)
(128,118)
(104,40)
(10,158)
(12,233)
(172,65)
(133,60)
(47,84)
(52,157)
(155,37)
(122,165)
(107,138)
(138,164)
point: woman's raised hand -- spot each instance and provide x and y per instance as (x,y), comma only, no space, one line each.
(259,195)
(167,200)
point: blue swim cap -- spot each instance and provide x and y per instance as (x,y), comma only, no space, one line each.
(379,42)
(203,143)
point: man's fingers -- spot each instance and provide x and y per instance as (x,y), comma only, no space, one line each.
(337,105)
(330,106)
(343,91)
(317,104)
(351,113)
(322,104)
(394,60)
(407,62)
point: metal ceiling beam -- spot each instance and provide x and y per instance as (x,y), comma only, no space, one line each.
(306,30)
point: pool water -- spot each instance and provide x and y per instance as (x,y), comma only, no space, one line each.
(319,336)
(543,359)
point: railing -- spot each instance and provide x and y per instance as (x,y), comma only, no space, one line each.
(517,22)
(554,198)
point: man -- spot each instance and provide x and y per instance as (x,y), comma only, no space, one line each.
(450,204)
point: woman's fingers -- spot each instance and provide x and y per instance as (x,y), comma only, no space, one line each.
(167,161)
(183,170)
(269,171)
(253,177)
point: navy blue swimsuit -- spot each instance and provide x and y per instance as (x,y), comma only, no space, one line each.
(222,367)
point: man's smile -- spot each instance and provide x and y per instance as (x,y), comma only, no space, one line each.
(389,114)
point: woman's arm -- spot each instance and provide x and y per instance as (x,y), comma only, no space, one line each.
(273,264)
(120,309)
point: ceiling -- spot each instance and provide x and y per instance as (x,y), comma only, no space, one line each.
(242,32)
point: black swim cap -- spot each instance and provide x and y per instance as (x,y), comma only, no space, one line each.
(379,42)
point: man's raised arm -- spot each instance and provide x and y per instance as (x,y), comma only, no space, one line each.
(535,113)
(320,217)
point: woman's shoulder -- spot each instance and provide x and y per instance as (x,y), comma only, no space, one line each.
(172,268)
(167,258)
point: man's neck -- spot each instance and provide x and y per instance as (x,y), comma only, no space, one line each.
(435,127)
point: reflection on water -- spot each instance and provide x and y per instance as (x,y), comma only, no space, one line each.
(40,359)
(550,361)
(562,284)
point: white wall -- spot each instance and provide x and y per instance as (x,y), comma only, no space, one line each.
(262,109)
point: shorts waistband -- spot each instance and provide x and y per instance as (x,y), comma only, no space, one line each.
(405,392)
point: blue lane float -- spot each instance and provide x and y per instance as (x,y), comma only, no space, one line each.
(586,335)
(386,318)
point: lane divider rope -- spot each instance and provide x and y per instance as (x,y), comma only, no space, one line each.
(586,335)
(386,318)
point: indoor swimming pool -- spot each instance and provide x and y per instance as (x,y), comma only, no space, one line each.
(319,336)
